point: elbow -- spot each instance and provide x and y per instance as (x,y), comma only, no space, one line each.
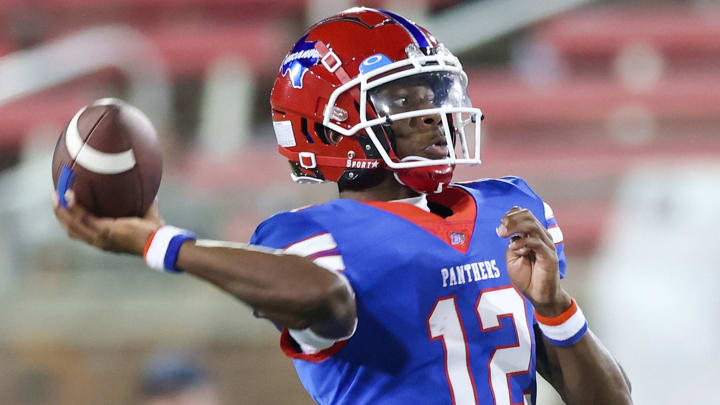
(335,310)
(309,296)
(343,306)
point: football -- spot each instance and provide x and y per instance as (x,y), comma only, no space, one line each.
(109,155)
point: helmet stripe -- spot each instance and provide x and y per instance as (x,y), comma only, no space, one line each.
(418,36)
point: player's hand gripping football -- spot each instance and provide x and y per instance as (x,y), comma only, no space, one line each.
(532,261)
(126,235)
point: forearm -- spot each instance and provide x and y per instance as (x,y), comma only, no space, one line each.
(584,372)
(290,290)
(590,375)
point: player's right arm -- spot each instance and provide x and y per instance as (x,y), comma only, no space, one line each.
(290,290)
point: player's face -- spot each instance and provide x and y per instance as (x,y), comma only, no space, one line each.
(417,136)
(422,135)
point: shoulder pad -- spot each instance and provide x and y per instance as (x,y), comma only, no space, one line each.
(286,228)
(501,183)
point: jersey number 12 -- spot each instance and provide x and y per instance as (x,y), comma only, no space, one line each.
(444,323)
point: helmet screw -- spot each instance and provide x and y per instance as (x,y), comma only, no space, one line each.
(351,155)
(367,147)
(351,175)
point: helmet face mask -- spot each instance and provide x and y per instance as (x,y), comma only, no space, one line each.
(380,96)
(441,74)
(432,103)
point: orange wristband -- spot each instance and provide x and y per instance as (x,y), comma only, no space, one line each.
(565,329)
(558,319)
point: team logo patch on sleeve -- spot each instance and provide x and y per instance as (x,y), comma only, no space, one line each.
(302,57)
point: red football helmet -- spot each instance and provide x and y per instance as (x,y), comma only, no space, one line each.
(349,74)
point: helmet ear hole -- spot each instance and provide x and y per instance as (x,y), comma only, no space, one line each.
(333,137)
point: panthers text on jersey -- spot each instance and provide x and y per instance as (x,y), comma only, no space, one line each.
(439,321)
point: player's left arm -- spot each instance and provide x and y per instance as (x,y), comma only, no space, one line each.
(580,368)
(548,365)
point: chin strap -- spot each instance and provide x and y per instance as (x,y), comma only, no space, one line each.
(309,160)
(425,179)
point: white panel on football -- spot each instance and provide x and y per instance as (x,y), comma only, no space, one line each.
(108,101)
(92,159)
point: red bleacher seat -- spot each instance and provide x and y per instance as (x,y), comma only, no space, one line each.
(507,99)
(188,50)
(685,35)
(51,108)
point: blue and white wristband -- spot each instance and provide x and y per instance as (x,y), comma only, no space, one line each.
(565,329)
(163,246)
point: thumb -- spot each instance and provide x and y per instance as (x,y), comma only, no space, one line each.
(153,213)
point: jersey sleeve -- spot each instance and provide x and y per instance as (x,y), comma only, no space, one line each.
(552,226)
(283,229)
(297,234)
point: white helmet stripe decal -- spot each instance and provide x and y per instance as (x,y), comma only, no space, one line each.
(91,158)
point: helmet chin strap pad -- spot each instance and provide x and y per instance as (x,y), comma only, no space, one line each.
(425,179)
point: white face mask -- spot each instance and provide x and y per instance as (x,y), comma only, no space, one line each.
(429,87)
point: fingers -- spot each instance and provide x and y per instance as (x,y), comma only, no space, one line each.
(522,222)
(530,246)
(517,247)
(502,229)
(78,223)
(529,238)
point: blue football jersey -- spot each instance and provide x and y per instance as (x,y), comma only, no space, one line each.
(439,321)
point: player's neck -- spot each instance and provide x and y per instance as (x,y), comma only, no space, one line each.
(387,190)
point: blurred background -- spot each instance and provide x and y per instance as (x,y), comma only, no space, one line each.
(610,109)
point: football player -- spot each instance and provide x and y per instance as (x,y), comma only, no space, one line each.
(408,288)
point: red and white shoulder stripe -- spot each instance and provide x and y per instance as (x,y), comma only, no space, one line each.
(552,224)
(324,252)
(321,248)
